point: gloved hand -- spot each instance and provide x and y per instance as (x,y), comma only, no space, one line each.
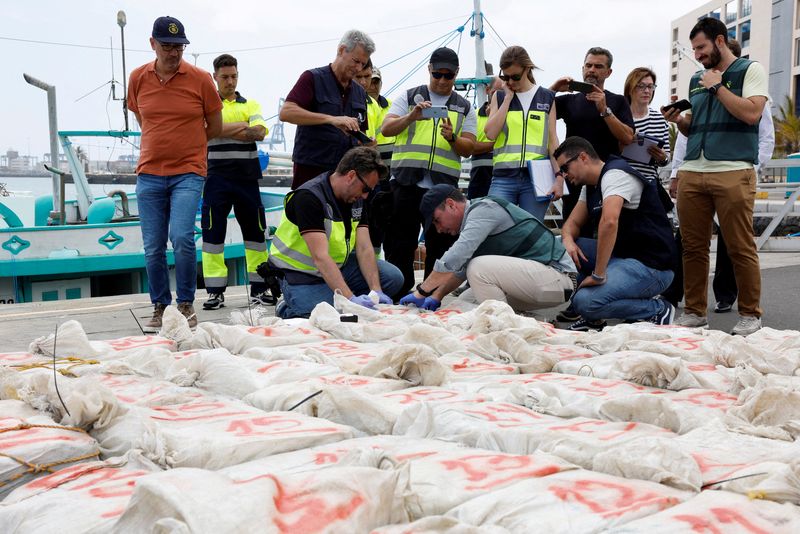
(431,304)
(383,298)
(411,298)
(362,300)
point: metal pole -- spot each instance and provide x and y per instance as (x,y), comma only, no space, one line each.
(480,60)
(53,119)
(122,20)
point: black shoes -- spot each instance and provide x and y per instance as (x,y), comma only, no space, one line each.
(214,301)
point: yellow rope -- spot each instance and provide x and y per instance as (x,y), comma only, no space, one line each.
(66,371)
(35,469)
(26,426)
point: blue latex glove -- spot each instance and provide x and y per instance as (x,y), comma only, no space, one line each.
(431,304)
(363,300)
(383,298)
(412,299)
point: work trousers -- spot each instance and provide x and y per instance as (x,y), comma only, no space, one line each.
(402,235)
(731,195)
(220,195)
(524,284)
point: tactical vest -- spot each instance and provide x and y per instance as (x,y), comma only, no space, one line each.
(528,239)
(289,250)
(525,134)
(714,131)
(232,158)
(485,159)
(644,234)
(420,147)
(323,145)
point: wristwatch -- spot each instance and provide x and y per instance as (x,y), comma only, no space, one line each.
(714,88)
(423,292)
(452,138)
(606,113)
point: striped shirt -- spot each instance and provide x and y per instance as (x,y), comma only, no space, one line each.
(653,125)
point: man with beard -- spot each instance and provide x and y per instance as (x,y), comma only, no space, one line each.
(327,104)
(727,99)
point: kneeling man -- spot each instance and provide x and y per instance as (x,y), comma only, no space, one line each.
(622,272)
(322,243)
(504,252)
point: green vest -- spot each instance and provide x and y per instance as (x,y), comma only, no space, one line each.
(714,131)
(420,147)
(289,250)
(525,134)
(528,239)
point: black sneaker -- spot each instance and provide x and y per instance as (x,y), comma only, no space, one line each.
(723,307)
(664,317)
(582,325)
(214,301)
(568,315)
(263,299)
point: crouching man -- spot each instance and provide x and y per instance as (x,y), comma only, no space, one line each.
(322,243)
(504,252)
(622,272)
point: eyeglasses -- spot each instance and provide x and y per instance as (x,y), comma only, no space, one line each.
(564,169)
(646,86)
(514,77)
(366,189)
(169,47)
(445,75)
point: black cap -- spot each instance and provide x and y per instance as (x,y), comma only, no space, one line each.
(431,200)
(444,58)
(169,30)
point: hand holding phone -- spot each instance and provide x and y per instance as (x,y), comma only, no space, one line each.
(681,105)
(361,136)
(434,112)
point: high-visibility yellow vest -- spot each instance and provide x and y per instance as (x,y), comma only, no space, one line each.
(232,158)
(485,159)
(289,250)
(525,134)
(420,147)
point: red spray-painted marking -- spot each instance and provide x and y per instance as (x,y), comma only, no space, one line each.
(627,500)
(506,468)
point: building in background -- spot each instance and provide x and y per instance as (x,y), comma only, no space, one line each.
(769,31)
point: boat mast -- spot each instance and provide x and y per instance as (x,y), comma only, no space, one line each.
(121,21)
(480,60)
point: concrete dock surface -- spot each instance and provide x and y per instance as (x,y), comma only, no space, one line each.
(117,316)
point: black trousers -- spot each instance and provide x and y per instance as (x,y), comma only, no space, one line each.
(402,235)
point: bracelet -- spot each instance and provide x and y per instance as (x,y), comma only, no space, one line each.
(425,293)
(598,278)
(452,139)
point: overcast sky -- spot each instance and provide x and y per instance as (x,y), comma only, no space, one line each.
(275,41)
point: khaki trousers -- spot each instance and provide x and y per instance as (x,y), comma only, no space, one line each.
(731,195)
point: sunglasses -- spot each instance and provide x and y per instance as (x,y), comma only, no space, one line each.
(513,77)
(564,169)
(168,47)
(445,75)
(366,189)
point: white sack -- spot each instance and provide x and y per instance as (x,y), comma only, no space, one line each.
(416,364)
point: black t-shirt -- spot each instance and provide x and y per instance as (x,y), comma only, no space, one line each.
(306,211)
(582,119)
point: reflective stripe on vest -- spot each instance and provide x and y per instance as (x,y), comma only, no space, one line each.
(485,159)
(420,146)
(289,250)
(233,158)
(525,134)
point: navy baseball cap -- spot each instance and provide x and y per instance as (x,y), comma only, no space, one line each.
(432,200)
(169,30)
(444,58)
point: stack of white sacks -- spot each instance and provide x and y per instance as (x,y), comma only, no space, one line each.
(464,420)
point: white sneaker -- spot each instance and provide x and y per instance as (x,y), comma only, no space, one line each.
(691,320)
(747,325)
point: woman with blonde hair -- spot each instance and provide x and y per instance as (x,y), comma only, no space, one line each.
(640,88)
(522,123)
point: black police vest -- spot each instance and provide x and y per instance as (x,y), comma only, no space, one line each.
(323,145)
(644,234)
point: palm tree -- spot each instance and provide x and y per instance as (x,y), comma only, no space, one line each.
(787,129)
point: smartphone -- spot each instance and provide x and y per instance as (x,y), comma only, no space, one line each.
(361,136)
(434,112)
(581,86)
(682,105)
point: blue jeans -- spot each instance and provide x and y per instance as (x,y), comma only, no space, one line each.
(628,292)
(519,191)
(168,208)
(300,299)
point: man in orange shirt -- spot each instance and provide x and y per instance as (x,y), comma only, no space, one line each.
(179,110)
